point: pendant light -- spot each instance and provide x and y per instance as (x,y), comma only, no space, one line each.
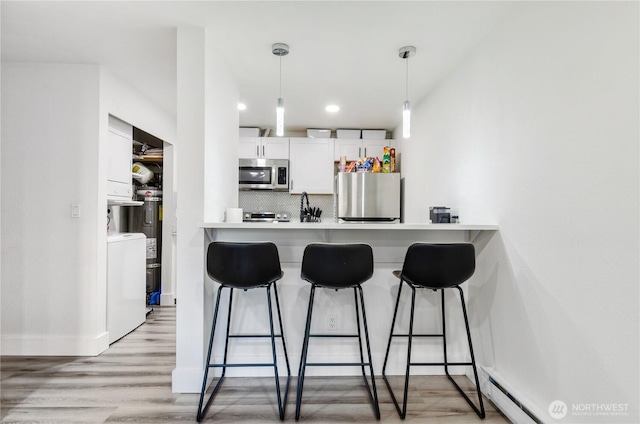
(405,53)
(280,49)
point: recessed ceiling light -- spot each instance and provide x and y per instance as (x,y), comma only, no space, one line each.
(332,108)
(242,106)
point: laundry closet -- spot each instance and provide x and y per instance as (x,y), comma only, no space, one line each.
(134,228)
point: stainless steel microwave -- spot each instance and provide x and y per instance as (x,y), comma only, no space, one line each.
(263,174)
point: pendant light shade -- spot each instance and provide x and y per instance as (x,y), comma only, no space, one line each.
(280,49)
(406,120)
(280,117)
(405,53)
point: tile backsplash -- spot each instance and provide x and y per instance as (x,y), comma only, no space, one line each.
(275,201)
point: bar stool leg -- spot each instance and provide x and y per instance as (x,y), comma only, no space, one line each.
(281,404)
(402,412)
(480,411)
(284,344)
(444,335)
(226,341)
(202,411)
(355,299)
(303,356)
(374,395)
(393,324)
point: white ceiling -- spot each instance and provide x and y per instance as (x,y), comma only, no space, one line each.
(341,52)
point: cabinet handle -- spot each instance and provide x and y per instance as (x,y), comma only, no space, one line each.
(365,152)
(257,151)
(359,152)
(262,150)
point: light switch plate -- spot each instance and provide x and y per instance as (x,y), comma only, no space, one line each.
(75,210)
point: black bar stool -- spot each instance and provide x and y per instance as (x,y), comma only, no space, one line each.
(338,266)
(244,266)
(435,267)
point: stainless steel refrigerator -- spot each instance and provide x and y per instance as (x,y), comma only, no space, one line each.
(368,196)
(147,219)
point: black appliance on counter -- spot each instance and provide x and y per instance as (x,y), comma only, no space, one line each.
(440,215)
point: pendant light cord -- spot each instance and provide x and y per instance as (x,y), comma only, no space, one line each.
(280,92)
(407,81)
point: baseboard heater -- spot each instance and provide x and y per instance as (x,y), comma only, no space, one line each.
(507,402)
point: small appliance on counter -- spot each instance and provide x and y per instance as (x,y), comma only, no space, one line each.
(369,196)
(439,215)
(265,217)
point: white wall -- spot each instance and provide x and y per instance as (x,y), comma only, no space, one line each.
(537,130)
(53,135)
(51,302)
(207,166)
(190,188)
(221,134)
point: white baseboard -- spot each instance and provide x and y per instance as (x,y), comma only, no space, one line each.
(54,345)
(186,380)
(512,404)
(166,299)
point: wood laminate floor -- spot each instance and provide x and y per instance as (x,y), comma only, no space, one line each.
(131,382)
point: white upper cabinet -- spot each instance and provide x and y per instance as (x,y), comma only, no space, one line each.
(119,185)
(263,147)
(360,148)
(350,148)
(311,165)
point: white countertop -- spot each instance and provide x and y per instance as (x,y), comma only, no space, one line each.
(347,226)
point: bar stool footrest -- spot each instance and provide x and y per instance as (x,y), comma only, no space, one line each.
(339,364)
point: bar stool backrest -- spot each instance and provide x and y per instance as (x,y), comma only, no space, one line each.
(337,266)
(439,265)
(243,265)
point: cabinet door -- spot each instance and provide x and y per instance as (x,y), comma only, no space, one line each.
(311,165)
(119,184)
(351,148)
(375,148)
(274,148)
(248,147)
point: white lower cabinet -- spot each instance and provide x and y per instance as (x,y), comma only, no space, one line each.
(311,165)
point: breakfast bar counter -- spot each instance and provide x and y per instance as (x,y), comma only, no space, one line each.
(328,230)
(389,242)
